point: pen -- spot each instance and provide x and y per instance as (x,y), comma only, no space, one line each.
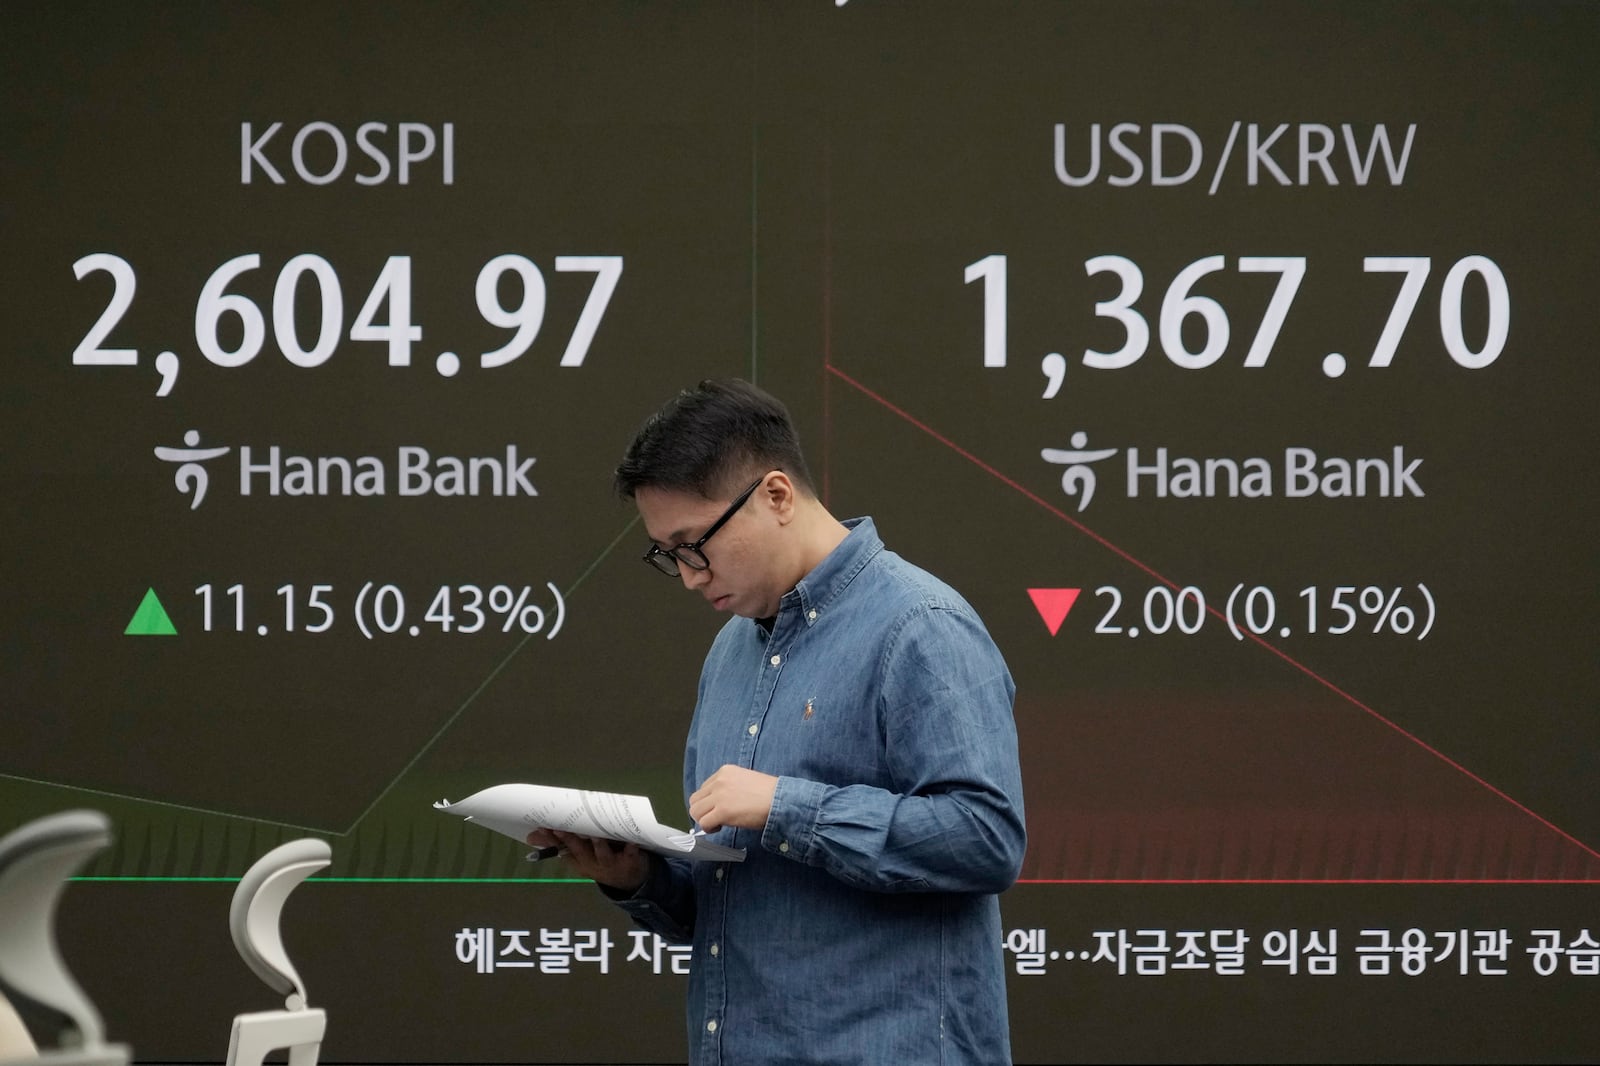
(539,854)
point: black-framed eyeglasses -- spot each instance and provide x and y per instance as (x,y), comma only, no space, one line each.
(666,560)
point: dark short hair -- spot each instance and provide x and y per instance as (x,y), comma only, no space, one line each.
(709,437)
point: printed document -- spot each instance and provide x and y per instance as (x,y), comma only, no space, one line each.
(515,810)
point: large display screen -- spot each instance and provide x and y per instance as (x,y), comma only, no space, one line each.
(1234,360)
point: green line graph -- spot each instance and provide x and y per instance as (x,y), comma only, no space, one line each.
(163,841)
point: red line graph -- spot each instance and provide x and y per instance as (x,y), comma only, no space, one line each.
(1014,485)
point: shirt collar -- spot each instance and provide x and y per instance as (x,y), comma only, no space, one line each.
(833,575)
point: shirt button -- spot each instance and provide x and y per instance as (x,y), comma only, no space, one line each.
(784,847)
(812,616)
(715,951)
(754,729)
(776,659)
(719,873)
(711,1026)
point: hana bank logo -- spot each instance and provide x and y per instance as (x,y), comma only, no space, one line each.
(1297,472)
(1078,478)
(191,477)
(413,471)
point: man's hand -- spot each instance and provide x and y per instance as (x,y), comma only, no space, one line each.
(733,796)
(612,863)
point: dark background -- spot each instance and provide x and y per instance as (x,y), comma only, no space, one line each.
(796,191)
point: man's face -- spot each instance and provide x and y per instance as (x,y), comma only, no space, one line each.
(744,576)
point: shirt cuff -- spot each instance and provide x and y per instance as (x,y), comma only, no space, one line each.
(656,888)
(652,906)
(792,822)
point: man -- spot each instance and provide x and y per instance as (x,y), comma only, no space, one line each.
(854,733)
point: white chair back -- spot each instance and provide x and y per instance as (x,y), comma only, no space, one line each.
(36,861)
(254,920)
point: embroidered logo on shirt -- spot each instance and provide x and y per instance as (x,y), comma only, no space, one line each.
(809,711)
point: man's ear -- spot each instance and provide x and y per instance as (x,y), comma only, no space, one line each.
(778,494)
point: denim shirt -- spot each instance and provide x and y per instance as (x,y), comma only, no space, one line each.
(863,925)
